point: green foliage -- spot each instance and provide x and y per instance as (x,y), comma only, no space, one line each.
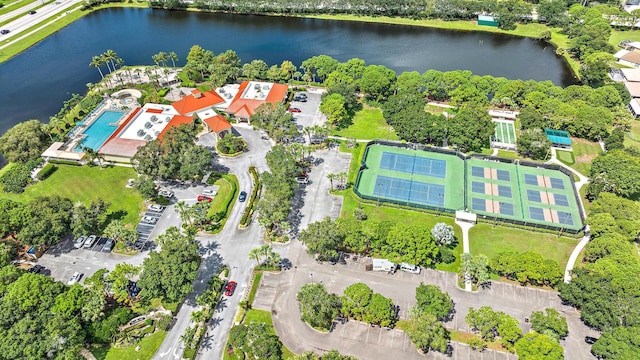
(334,107)
(279,187)
(412,244)
(527,268)
(170,273)
(46,171)
(614,172)
(471,128)
(611,213)
(175,156)
(8,274)
(318,308)
(618,344)
(16,178)
(355,300)
(432,300)
(491,323)
(322,238)
(90,219)
(275,120)
(24,142)
(45,220)
(475,268)
(426,332)
(145,186)
(443,234)
(535,346)
(257,340)
(103,331)
(377,82)
(550,323)
(230,144)
(534,144)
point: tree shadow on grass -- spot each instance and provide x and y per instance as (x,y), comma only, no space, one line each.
(116,215)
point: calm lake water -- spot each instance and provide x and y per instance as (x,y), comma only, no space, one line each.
(35,83)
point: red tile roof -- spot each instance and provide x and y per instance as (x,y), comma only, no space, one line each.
(217,123)
(190,103)
(122,147)
(176,121)
(154,111)
(247,107)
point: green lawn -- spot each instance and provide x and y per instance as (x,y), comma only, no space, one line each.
(148,347)
(565,157)
(508,154)
(368,124)
(254,287)
(584,152)
(632,138)
(260,316)
(490,241)
(84,183)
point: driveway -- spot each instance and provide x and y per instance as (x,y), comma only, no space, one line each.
(229,247)
(512,299)
(310,114)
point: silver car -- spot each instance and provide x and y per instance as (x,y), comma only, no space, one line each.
(79,242)
(75,278)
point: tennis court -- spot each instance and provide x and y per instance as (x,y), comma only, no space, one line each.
(533,195)
(522,193)
(505,132)
(412,177)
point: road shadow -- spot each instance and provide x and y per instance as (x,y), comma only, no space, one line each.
(295,215)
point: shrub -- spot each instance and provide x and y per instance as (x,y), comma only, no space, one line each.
(163,92)
(65,162)
(16,178)
(248,211)
(46,171)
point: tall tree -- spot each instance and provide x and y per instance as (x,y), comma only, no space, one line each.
(24,142)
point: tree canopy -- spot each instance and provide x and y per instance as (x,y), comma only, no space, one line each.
(24,142)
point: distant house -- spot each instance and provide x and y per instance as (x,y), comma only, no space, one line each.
(251,95)
(629,58)
(487,20)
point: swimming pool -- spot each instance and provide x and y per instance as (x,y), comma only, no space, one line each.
(100,130)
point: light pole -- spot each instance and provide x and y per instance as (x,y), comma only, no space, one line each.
(311,275)
(250,160)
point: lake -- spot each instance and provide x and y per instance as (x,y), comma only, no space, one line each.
(35,83)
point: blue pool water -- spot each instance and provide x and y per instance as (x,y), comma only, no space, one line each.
(98,132)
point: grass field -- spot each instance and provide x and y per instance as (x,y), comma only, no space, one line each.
(84,183)
(632,138)
(566,157)
(508,154)
(148,347)
(254,287)
(491,241)
(584,152)
(368,124)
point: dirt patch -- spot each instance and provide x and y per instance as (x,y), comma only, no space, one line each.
(585,158)
(582,141)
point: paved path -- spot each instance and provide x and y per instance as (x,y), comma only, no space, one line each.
(582,182)
(465,226)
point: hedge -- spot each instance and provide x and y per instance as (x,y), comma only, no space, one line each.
(46,171)
(248,211)
(64,162)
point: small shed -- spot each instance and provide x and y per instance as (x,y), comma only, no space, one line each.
(558,138)
(487,20)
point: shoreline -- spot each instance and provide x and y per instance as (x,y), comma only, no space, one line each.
(530,30)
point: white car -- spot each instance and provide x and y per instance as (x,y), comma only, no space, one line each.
(91,240)
(156,207)
(209,192)
(75,278)
(166,193)
(149,220)
(79,242)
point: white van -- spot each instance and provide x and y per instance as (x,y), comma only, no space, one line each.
(410,268)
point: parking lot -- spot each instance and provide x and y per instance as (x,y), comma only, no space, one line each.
(310,114)
(61,261)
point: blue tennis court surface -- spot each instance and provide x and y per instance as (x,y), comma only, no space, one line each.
(408,190)
(414,164)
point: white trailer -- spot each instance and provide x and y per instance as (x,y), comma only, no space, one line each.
(383,265)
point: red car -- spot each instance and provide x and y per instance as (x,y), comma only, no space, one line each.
(204,198)
(294,109)
(230,288)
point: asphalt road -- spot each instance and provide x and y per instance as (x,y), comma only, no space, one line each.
(231,247)
(25,22)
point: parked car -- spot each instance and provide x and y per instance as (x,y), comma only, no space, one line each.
(302,180)
(166,193)
(36,269)
(108,245)
(5,31)
(149,220)
(133,288)
(91,240)
(75,278)
(243,196)
(32,12)
(79,242)
(294,110)
(230,288)
(156,207)
(209,192)
(590,340)
(300,98)
(204,198)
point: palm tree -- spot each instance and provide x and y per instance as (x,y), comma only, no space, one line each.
(342,176)
(173,57)
(331,177)
(308,130)
(56,124)
(297,150)
(265,250)
(255,254)
(96,62)
(111,56)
